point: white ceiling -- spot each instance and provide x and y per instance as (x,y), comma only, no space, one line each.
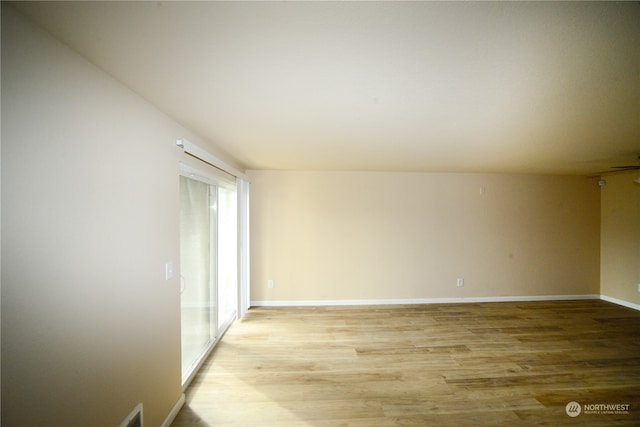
(416,86)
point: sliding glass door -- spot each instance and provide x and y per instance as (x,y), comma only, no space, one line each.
(208,264)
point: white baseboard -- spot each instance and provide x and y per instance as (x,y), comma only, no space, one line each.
(620,302)
(309,303)
(174,411)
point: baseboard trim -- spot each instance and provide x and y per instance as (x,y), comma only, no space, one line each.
(174,411)
(620,302)
(310,303)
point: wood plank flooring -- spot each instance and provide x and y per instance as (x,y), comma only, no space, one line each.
(489,364)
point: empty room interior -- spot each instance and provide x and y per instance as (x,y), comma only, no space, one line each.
(320,213)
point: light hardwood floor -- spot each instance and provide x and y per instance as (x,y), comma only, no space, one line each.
(489,364)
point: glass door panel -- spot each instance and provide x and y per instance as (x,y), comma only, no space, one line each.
(198,237)
(227,255)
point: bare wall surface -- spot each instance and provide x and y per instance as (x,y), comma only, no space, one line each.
(620,248)
(376,236)
(90,326)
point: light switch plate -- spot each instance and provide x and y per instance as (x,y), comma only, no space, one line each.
(168,271)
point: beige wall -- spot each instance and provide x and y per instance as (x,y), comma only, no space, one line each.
(90,206)
(620,241)
(378,236)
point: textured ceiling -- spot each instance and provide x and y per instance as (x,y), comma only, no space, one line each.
(416,86)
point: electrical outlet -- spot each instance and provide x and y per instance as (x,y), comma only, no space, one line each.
(460,282)
(270,283)
(638,287)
